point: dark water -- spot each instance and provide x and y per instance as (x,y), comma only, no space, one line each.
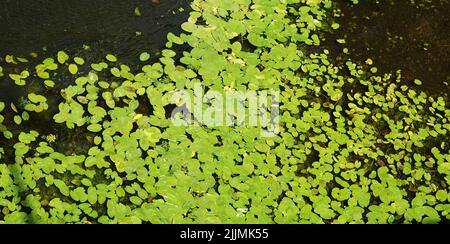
(106,26)
(28,25)
(413,36)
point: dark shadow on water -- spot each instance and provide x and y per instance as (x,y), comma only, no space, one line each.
(398,34)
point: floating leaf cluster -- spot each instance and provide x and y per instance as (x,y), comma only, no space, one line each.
(353,147)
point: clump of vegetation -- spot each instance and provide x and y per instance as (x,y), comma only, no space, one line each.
(353,146)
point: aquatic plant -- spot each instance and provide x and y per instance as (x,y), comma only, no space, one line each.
(353,146)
